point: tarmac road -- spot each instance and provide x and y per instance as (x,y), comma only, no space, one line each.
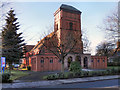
(91,85)
(96,84)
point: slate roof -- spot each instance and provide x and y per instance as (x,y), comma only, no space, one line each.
(69,8)
(29,47)
(40,43)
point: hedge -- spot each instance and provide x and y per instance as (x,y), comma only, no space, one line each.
(113,64)
(67,75)
(6,78)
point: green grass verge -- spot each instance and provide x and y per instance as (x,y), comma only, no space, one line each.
(15,74)
(111,67)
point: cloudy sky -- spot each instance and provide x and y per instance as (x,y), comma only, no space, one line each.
(36,18)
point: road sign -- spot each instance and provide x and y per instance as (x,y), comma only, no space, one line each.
(2,61)
(2,64)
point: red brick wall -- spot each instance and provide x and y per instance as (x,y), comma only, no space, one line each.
(65,19)
(101,64)
(33,63)
(37,65)
(62,20)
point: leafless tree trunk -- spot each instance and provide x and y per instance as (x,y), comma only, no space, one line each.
(86,42)
(111,28)
(60,48)
(104,49)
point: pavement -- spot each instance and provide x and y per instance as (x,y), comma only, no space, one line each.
(56,82)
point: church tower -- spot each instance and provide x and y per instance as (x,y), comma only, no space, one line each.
(67,19)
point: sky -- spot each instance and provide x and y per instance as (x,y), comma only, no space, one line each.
(37,18)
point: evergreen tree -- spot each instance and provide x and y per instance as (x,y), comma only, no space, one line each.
(12,42)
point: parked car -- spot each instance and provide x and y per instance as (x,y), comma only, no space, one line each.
(16,65)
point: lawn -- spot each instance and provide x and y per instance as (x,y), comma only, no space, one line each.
(111,67)
(17,74)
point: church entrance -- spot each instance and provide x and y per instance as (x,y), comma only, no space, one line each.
(78,58)
(85,62)
(69,61)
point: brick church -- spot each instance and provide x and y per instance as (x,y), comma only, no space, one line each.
(67,19)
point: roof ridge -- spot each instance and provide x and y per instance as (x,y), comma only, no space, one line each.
(39,43)
(69,7)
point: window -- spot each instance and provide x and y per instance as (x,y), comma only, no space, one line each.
(42,60)
(103,60)
(91,60)
(98,60)
(59,60)
(57,26)
(71,25)
(51,60)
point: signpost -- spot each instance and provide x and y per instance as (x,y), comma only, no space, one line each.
(2,64)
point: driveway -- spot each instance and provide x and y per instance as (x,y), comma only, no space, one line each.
(37,76)
(34,76)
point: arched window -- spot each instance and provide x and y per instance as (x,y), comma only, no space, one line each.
(69,61)
(98,61)
(103,60)
(85,62)
(71,25)
(42,60)
(57,27)
(91,60)
(78,58)
(51,60)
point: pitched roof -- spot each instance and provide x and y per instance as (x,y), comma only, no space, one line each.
(29,47)
(40,43)
(69,8)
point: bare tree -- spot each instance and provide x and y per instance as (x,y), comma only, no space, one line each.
(111,26)
(104,49)
(111,29)
(86,42)
(61,46)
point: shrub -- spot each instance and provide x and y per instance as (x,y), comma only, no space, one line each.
(77,74)
(118,70)
(60,75)
(108,71)
(113,64)
(50,77)
(5,77)
(45,77)
(66,74)
(114,71)
(86,73)
(81,74)
(54,76)
(75,66)
(70,75)
(90,73)
(29,68)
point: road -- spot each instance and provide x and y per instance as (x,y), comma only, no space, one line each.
(96,84)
